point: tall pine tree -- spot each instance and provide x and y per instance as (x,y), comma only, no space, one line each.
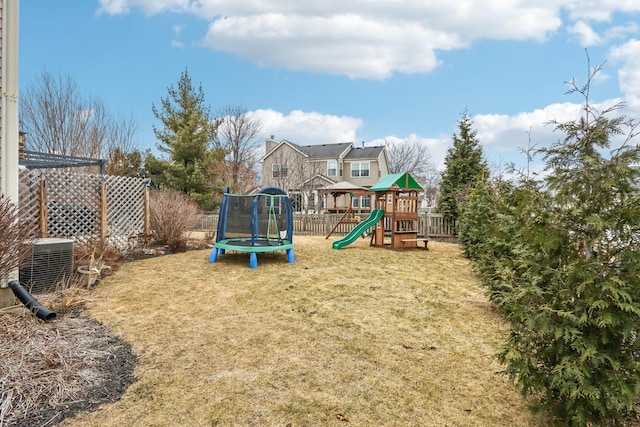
(186,135)
(464,164)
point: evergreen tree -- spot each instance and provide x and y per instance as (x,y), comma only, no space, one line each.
(186,135)
(464,165)
(560,259)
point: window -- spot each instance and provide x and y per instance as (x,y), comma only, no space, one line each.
(361,202)
(296,201)
(359,169)
(332,168)
(279,170)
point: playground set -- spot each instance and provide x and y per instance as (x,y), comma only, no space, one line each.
(395,217)
(255,223)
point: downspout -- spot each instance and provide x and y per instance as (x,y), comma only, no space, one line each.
(31,303)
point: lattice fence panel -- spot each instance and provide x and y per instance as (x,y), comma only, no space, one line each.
(29,194)
(74,204)
(125,209)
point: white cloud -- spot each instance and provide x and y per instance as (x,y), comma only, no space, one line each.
(621,31)
(508,133)
(585,34)
(506,138)
(340,44)
(599,10)
(359,38)
(629,73)
(308,128)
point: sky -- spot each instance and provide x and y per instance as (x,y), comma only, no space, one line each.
(362,71)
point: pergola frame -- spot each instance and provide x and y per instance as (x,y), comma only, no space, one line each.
(36,160)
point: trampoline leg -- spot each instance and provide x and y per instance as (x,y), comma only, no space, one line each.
(253,260)
(290,257)
(214,255)
(222,251)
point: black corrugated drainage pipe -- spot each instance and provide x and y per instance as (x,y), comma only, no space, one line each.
(30,302)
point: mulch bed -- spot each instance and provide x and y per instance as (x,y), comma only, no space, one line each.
(52,371)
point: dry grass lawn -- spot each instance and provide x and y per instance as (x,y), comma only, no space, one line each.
(360,336)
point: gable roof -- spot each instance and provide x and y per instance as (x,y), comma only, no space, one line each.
(319,177)
(364,153)
(331,151)
(343,186)
(277,147)
(344,150)
(400,180)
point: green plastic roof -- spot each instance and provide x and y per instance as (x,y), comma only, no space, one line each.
(401,180)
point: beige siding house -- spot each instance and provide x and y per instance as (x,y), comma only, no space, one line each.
(303,170)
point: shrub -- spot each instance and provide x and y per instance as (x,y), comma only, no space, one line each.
(172,214)
(16,238)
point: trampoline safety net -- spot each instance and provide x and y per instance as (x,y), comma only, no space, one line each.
(261,216)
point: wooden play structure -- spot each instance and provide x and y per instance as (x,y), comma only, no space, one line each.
(397,195)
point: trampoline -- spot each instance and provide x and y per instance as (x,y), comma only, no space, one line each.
(256,223)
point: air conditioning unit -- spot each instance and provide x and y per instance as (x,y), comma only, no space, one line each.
(51,263)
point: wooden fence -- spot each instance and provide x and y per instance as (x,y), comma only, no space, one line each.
(429,225)
(82,206)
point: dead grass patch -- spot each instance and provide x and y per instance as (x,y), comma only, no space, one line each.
(363,336)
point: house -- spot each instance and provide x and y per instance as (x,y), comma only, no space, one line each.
(303,170)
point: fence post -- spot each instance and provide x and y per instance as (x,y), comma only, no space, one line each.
(103,213)
(147,211)
(44,213)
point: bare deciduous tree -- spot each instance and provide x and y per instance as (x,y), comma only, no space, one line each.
(295,173)
(238,132)
(58,119)
(431,184)
(407,156)
(309,185)
(122,148)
